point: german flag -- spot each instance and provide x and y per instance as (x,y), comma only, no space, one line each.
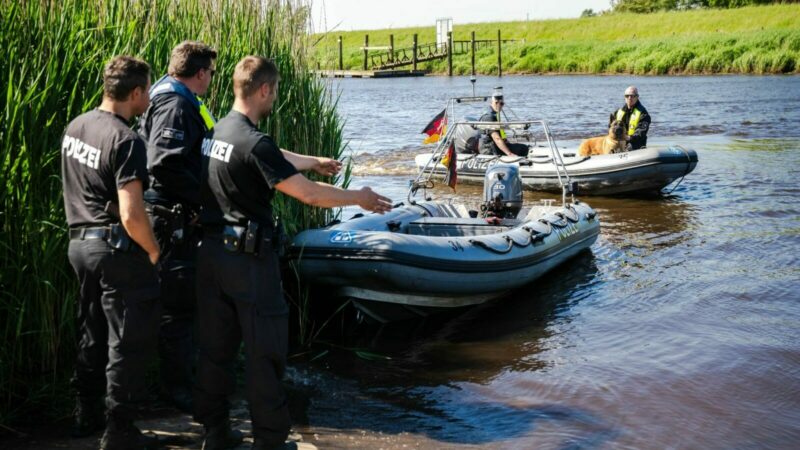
(449,161)
(436,128)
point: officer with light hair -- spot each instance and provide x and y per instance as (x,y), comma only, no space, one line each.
(240,298)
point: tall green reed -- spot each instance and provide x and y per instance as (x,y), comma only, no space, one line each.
(54,52)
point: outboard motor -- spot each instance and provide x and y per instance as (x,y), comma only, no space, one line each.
(502,191)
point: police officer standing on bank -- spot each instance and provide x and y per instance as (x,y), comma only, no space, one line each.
(174,127)
(113,252)
(634,117)
(239,286)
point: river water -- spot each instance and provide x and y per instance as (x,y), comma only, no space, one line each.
(679,329)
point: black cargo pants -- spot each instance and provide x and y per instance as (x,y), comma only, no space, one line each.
(178,303)
(240,299)
(117,324)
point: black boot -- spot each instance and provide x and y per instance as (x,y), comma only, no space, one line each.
(221,436)
(123,435)
(89,418)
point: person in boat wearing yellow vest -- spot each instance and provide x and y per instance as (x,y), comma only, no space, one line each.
(174,127)
(634,118)
(494,142)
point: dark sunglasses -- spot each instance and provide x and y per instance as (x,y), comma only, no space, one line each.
(211,71)
(630,95)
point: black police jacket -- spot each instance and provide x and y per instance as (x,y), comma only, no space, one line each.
(174,130)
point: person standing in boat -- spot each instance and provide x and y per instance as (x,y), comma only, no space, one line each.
(239,289)
(494,142)
(634,117)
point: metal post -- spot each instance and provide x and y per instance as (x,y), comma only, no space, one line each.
(391,48)
(415,52)
(341,66)
(499,55)
(366,52)
(450,53)
(473,53)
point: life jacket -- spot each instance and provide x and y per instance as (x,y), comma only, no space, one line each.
(634,120)
(168,85)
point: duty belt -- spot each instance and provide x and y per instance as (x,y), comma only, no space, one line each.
(115,235)
(90,233)
(252,238)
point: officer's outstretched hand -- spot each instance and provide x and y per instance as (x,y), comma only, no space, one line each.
(372,201)
(327,167)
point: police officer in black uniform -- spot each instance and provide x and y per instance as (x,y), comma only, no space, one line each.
(494,142)
(113,252)
(239,285)
(174,127)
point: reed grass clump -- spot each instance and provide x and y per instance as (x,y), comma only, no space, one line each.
(53,54)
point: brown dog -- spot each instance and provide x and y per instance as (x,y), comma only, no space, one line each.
(613,142)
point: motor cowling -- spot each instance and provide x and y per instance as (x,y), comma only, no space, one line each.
(502,191)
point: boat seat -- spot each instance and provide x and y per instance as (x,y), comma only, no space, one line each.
(453,210)
(452,226)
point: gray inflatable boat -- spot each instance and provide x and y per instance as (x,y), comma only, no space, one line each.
(644,171)
(430,255)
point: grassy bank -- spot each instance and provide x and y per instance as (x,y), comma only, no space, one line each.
(757,40)
(51,72)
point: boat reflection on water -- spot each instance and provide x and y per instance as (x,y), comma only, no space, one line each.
(415,374)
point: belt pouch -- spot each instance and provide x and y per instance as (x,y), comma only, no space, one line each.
(233,238)
(118,238)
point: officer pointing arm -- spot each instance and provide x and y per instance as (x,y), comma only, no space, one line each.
(323,166)
(240,298)
(325,195)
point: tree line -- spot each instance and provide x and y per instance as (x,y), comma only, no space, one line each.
(648,6)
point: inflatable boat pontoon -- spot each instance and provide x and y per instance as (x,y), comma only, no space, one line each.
(430,255)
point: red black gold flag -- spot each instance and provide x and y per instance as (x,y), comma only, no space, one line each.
(436,128)
(449,161)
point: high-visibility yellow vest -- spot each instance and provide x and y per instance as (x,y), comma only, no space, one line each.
(208,118)
(634,120)
(167,84)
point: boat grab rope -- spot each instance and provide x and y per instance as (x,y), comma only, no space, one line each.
(550,160)
(574,219)
(688,165)
(533,237)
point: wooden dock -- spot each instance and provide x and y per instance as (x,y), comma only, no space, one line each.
(369,73)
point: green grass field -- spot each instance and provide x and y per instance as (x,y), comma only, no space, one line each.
(756,40)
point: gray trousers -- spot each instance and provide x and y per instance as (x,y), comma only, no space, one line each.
(240,300)
(117,324)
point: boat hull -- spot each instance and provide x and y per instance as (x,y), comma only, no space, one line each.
(435,263)
(642,171)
